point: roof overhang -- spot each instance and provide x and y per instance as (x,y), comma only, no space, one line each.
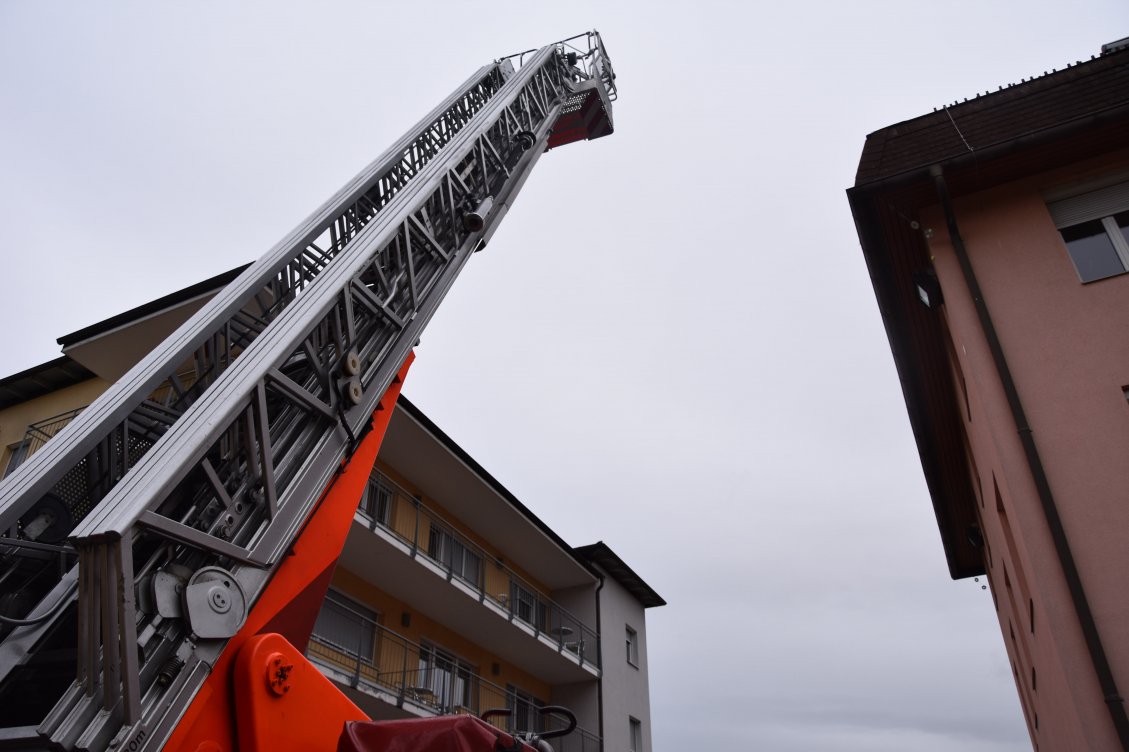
(111,347)
(442,470)
(1061,119)
(42,379)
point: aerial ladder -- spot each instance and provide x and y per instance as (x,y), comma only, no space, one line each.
(163,558)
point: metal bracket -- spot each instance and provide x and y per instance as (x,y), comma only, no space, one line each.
(214,603)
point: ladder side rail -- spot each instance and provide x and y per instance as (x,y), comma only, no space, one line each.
(89,439)
(263,575)
(387,174)
(334,313)
(509,178)
(163,467)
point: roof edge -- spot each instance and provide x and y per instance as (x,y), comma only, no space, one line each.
(152,307)
(602,554)
(461,454)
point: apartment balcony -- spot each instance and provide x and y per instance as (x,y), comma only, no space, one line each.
(452,579)
(36,435)
(147,424)
(378,663)
(457,582)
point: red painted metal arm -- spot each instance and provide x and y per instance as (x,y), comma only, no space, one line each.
(228,712)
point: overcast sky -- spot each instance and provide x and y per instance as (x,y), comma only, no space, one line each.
(671,344)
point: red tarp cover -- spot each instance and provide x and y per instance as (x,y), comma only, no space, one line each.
(452,733)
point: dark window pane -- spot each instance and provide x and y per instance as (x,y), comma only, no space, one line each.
(1122,221)
(1092,250)
(19,454)
(377,500)
(471,567)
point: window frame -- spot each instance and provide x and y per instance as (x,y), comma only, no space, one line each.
(632,646)
(524,705)
(17,455)
(359,616)
(526,604)
(446,674)
(635,734)
(446,548)
(1100,205)
(378,497)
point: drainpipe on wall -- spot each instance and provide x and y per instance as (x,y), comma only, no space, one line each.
(600,661)
(1114,702)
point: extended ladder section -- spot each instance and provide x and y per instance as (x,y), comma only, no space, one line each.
(135,542)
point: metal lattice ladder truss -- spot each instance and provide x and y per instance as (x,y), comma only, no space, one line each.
(147,527)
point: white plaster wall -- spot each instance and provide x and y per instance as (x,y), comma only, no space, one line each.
(583,699)
(626,692)
(580,602)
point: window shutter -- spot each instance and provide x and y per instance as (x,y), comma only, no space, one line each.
(1093,205)
(347,625)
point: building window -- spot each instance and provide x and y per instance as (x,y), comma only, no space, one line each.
(446,549)
(524,710)
(635,730)
(1095,228)
(1100,247)
(445,676)
(632,647)
(377,502)
(347,627)
(528,607)
(17,453)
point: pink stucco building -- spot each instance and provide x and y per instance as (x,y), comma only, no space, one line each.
(996,232)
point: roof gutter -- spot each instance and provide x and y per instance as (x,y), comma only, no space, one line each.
(1114,702)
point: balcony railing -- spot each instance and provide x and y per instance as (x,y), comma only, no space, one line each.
(354,648)
(40,432)
(393,509)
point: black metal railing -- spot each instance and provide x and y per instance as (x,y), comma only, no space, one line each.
(426,678)
(41,432)
(396,511)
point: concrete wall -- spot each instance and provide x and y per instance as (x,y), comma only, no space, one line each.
(1067,345)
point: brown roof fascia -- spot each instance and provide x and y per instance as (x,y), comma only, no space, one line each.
(916,342)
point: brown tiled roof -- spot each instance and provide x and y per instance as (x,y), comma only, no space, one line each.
(1076,93)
